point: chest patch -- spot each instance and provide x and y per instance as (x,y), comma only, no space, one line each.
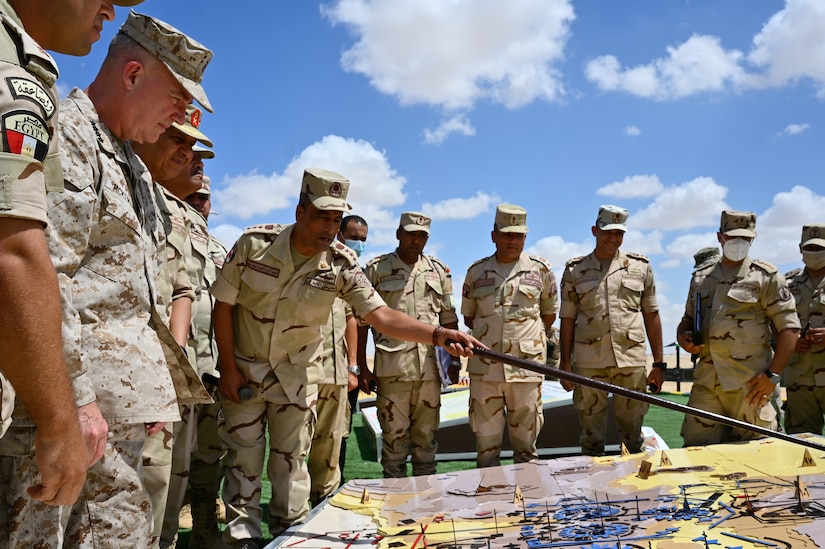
(260,267)
(482,282)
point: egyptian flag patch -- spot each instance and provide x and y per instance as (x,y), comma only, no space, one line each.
(26,134)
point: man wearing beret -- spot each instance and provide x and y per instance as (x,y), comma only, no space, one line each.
(29,302)
(740,299)
(106,233)
(805,375)
(409,374)
(509,301)
(608,306)
(274,293)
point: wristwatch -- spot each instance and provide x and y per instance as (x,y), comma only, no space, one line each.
(660,365)
(774,377)
(354,369)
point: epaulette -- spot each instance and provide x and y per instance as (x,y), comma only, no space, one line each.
(640,257)
(792,274)
(377,259)
(539,259)
(440,263)
(574,261)
(476,262)
(265,228)
(769,268)
(339,248)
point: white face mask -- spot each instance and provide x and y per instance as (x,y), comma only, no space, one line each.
(814,259)
(736,249)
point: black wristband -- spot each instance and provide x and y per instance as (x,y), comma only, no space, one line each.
(660,365)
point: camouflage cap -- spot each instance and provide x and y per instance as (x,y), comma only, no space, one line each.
(326,190)
(203,152)
(511,219)
(611,217)
(191,126)
(415,221)
(705,255)
(736,223)
(183,56)
(813,234)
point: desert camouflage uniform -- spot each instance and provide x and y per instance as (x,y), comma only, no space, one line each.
(206,468)
(805,375)
(104,244)
(332,408)
(408,372)
(173,283)
(507,303)
(28,106)
(277,317)
(607,301)
(739,304)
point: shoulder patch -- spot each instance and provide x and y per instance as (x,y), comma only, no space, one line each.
(769,268)
(26,134)
(791,274)
(340,249)
(265,228)
(24,88)
(539,259)
(574,261)
(640,257)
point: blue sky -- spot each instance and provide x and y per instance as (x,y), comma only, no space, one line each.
(674,110)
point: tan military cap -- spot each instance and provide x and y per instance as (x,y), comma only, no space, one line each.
(203,152)
(191,126)
(511,219)
(612,217)
(206,185)
(736,223)
(813,234)
(415,221)
(326,190)
(704,255)
(183,56)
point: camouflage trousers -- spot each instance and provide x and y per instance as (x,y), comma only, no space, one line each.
(516,404)
(804,409)
(206,466)
(332,411)
(701,432)
(184,442)
(408,412)
(243,427)
(113,510)
(591,404)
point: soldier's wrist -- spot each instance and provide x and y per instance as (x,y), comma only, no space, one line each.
(436,334)
(660,365)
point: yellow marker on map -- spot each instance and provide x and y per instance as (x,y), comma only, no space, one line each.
(625,451)
(365,496)
(644,469)
(518,497)
(807,459)
(664,461)
(801,489)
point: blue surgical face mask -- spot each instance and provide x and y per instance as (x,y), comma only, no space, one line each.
(358,246)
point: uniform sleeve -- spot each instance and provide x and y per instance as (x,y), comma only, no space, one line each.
(649,302)
(72,215)
(358,292)
(447,315)
(569,298)
(549,304)
(228,284)
(780,304)
(28,111)
(690,308)
(468,304)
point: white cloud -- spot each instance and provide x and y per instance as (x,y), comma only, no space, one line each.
(374,184)
(780,227)
(461,208)
(226,234)
(681,249)
(632,131)
(790,46)
(696,203)
(699,64)
(456,124)
(452,54)
(793,129)
(642,243)
(633,186)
